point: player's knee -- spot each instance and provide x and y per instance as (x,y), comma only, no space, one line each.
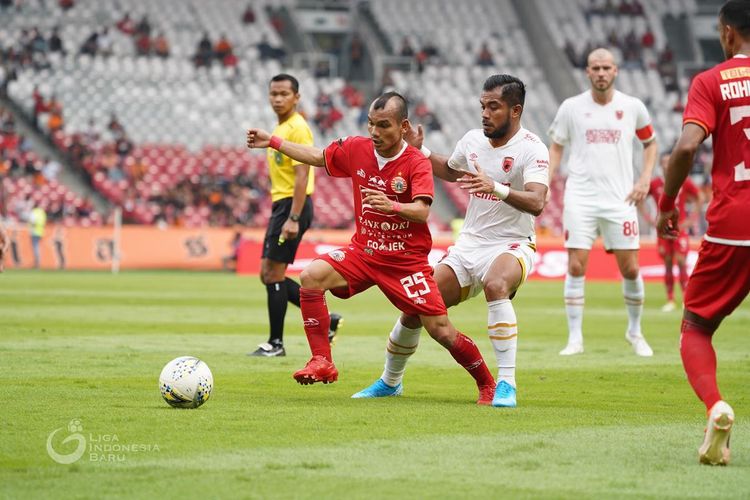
(497,289)
(576,268)
(630,272)
(307,279)
(412,322)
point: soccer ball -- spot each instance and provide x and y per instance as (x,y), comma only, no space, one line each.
(186,382)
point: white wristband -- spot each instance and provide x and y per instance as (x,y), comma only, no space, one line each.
(501,190)
(425,151)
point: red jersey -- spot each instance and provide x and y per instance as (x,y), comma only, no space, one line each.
(403,178)
(719,101)
(687,191)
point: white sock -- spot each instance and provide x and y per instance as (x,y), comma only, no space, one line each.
(502,329)
(633,292)
(402,343)
(574,300)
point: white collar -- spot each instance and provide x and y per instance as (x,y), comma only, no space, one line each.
(382,161)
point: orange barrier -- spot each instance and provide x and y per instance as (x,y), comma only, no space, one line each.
(148,247)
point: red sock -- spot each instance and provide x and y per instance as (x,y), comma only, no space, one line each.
(316,320)
(466,353)
(699,360)
(669,282)
(683,276)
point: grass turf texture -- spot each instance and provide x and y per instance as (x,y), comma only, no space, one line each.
(602,424)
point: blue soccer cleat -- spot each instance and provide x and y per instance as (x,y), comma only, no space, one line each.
(379,390)
(505,395)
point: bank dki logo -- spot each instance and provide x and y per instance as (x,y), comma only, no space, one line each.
(75,428)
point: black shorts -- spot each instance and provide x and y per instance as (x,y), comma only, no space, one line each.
(279,214)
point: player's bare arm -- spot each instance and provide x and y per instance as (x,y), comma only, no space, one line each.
(680,163)
(531,200)
(416,211)
(640,189)
(310,155)
(290,229)
(440,168)
(4,244)
(555,157)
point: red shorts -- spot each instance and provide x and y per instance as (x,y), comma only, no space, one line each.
(408,284)
(680,246)
(720,280)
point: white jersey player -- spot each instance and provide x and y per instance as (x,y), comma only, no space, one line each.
(505,168)
(600,126)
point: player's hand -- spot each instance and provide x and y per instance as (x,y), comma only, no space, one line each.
(639,193)
(415,137)
(476,182)
(667,224)
(289,231)
(258,138)
(378,200)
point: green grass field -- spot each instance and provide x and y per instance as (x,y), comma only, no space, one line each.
(605,424)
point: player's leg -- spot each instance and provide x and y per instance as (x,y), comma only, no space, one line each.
(581,229)
(404,338)
(682,247)
(709,297)
(318,277)
(665,248)
(464,351)
(633,295)
(506,273)
(574,293)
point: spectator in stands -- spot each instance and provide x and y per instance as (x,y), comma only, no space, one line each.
(222,48)
(126,24)
(66,5)
(266,51)
(51,169)
(406,48)
(90,46)
(484,58)
(248,16)
(356,52)
(40,105)
(204,52)
(37,223)
(142,44)
(114,125)
(104,42)
(55,43)
(144,26)
(55,119)
(161,45)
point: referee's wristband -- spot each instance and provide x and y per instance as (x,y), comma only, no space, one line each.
(666,202)
(425,151)
(501,190)
(275,142)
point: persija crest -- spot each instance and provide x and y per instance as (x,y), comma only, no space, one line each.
(507,164)
(619,114)
(398,184)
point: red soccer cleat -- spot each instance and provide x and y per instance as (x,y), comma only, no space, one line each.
(486,393)
(319,369)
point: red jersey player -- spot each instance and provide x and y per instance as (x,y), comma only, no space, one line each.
(718,105)
(393,189)
(675,250)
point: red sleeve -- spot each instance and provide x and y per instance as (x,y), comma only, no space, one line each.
(337,157)
(421,178)
(700,107)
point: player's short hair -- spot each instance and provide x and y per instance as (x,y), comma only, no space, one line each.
(285,77)
(513,90)
(736,13)
(403,105)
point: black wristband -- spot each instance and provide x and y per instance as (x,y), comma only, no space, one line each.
(294,217)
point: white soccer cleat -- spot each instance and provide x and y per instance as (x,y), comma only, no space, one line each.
(668,307)
(572,348)
(640,346)
(715,448)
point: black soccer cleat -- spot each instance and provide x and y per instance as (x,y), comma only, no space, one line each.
(268,350)
(337,321)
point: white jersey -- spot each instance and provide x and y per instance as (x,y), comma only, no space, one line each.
(523,159)
(600,166)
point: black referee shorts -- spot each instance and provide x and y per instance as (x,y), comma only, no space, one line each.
(279,214)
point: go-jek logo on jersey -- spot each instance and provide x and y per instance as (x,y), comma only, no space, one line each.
(75,428)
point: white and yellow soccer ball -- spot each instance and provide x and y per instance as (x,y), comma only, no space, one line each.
(186,382)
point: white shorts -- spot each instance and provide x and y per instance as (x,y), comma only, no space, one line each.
(618,227)
(472,262)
